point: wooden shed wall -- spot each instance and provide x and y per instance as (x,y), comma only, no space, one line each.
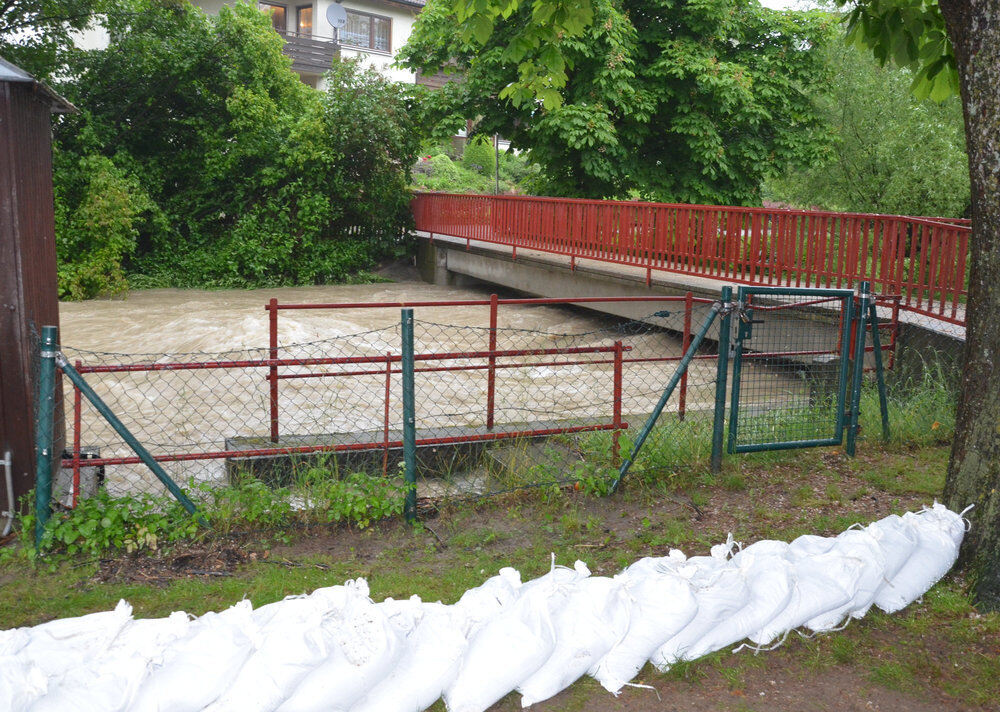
(28,288)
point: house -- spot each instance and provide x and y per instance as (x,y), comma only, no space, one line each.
(374,31)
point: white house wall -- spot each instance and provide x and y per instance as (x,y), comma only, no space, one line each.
(402,26)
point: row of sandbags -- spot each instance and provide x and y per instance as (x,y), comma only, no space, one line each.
(336,650)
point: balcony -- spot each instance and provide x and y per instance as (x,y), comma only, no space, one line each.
(310,55)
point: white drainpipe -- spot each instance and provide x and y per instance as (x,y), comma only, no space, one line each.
(9,480)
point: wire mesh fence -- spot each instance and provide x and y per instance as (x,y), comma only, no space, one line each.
(497,408)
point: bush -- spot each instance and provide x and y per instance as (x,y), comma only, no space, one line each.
(479,156)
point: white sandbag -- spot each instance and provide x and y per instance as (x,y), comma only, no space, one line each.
(939,533)
(430,662)
(405,615)
(503,652)
(21,683)
(653,565)
(366,647)
(326,600)
(148,638)
(762,548)
(594,619)
(556,576)
(198,668)
(721,591)
(482,603)
(769,590)
(809,545)
(11,641)
(897,540)
(297,640)
(860,546)
(661,607)
(106,686)
(821,583)
(60,645)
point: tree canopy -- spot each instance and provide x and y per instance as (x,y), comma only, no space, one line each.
(665,100)
(37,35)
(891,152)
(200,158)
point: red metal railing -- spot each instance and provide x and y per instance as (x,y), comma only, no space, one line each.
(921,259)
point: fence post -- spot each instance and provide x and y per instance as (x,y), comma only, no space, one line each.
(617,404)
(721,379)
(491,379)
(272,373)
(883,402)
(388,392)
(860,337)
(45,412)
(409,418)
(685,342)
(77,424)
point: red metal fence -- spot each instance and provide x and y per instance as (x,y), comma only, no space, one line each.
(921,259)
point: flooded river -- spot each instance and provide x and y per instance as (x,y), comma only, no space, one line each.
(185,411)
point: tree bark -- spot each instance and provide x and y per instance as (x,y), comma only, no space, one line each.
(974,469)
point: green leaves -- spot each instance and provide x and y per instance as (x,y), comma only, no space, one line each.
(911,33)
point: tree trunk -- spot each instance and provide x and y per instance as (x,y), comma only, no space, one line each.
(974,470)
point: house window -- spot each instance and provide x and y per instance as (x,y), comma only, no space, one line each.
(367,31)
(277,13)
(304,20)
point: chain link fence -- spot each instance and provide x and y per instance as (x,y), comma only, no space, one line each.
(497,408)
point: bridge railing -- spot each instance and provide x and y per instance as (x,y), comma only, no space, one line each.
(921,259)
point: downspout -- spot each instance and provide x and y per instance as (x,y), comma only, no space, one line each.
(9,481)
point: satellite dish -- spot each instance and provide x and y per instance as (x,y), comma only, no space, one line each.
(336,15)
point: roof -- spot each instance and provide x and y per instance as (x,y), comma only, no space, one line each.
(14,74)
(409,3)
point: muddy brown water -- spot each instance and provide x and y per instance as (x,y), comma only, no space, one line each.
(197,411)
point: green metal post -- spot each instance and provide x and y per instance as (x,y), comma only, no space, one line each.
(409,418)
(859,367)
(721,381)
(45,410)
(883,402)
(141,452)
(668,391)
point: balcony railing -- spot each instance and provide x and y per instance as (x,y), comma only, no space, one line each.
(309,53)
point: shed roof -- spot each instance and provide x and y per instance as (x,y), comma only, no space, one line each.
(12,73)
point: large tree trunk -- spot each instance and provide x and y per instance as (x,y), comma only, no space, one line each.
(974,471)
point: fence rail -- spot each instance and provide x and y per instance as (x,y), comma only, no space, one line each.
(921,259)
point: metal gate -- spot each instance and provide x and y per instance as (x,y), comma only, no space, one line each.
(790,369)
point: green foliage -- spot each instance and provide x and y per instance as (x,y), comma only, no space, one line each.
(913,34)
(36,35)
(103,523)
(891,153)
(237,173)
(436,171)
(692,102)
(479,156)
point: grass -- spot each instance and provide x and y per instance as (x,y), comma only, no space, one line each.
(939,649)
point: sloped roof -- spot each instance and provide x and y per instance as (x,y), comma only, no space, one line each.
(14,74)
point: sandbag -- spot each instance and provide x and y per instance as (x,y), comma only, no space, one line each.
(809,545)
(653,565)
(721,592)
(21,683)
(769,589)
(482,603)
(662,605)
(593,619)
(938,532)
(60,645)
(430,662)
(821,583)
(504,652)
(107,686)
(198,668)
(860,546)
(365,648)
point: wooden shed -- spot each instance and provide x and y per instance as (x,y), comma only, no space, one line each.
(29,295)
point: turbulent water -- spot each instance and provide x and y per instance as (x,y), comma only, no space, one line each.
(177,412)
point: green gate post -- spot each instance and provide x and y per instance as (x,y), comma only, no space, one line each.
(409,418)
(45,410)
(721,376)
(883,402)
(860,334)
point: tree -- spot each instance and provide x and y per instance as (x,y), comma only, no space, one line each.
(694,102)
(891,153)
(944,41)
(227,169)
(37,34)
